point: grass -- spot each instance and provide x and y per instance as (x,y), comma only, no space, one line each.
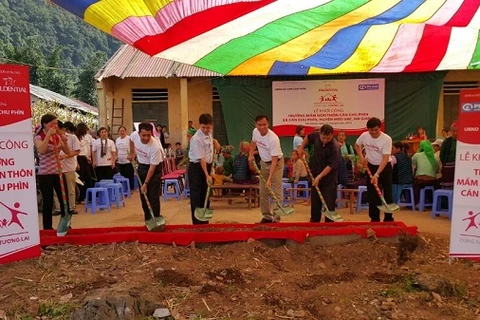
(56,311)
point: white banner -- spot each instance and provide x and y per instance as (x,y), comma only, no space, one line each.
(344,104)
(19,232)
(465,233)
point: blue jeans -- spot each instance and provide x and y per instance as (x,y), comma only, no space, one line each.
(397,191)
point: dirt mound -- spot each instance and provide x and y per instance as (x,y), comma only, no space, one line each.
(226,276)
(173,278)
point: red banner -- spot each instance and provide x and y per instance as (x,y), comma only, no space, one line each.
(19,232)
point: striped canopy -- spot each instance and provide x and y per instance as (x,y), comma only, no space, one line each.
(295,37)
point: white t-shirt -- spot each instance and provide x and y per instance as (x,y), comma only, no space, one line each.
(85,144)
(376,148)
(97,148)
(268,145)
(201,147)
(297,141)
(150,153)
(70,164)
(123,148)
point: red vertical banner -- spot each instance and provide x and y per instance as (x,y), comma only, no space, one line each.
(19,231)
(465,232)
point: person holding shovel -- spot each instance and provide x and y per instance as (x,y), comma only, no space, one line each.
(378,148)
(271,168)
(326,158)
(149,153)
(199,173)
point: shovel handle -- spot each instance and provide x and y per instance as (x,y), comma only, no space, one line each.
(322,199)
(270,191)
(140,182)
(374,184)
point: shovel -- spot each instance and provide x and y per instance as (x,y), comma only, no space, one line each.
(154,223)
(204,213)
(388,208)
(65,221)
(332,215)
(279,210)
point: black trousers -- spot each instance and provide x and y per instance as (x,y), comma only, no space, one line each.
(198,189)
(104,172)
(329,192)
(153,190)
(126,170)
(385,183)
(85,174)
(47,184)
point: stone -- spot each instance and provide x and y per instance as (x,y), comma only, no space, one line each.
(66,298)
(250,240)
(161,313)
(322,265)
(337,309)
(437,297)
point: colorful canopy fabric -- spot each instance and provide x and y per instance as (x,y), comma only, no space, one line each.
(295,37)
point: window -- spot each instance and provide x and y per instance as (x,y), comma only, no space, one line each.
(150,105)
(219,128)
(451,99)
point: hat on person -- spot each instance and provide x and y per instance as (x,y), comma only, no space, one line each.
(437,142)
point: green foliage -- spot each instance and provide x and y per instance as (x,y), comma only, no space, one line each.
(55,311)
(60,48)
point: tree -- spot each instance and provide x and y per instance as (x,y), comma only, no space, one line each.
(54,78)
(85,88)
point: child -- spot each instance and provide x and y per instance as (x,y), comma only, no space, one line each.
(287,168)
(218,179)
(227,160)
(402,174)
(168,150)
(242,174)
(299,170)
(179,152)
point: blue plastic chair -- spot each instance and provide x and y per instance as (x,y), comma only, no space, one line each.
(407,195)
(125,184)
(116,194)
(422,203)
(437,203)
(361,191)
(97,198)
(176,193)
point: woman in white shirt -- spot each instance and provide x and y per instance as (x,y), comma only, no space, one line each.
(123,149)
(84,158)
(104,155)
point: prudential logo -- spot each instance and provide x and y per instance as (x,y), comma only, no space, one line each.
(368,86)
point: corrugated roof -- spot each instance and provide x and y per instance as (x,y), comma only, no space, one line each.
(129,62)
(47,95)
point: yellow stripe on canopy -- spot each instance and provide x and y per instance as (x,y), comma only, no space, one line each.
(309,43)
(368,53)
(105,14)
(156,5)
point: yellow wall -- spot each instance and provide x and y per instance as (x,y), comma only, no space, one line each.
(454,76)
(199,92)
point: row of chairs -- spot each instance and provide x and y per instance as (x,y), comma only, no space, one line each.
(408,200)
(106,193)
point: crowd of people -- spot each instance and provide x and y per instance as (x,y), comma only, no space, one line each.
(331,160)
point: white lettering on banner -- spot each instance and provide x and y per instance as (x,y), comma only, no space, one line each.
(19,232)
(465,230)
(337,102)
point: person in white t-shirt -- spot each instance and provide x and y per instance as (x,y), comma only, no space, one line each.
(378,148)
(104,155)
(271,165)
(123,150)
(69,162)
(84,158)
(149,153)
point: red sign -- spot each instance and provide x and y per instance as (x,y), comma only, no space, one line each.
(19,232)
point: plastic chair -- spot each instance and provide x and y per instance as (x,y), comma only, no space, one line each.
(97,198)
(176,189)
(340,196)
(437,203)
(125,184)
(361,191)
(303,191)
(422,203)
(409,199)
(116,194)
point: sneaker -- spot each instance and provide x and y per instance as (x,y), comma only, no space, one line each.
(56,213)
(73,212)
(264,220)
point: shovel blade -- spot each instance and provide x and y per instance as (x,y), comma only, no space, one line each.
(332,215)
(155,225)
(391,208)
(283,211)
(203,214)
